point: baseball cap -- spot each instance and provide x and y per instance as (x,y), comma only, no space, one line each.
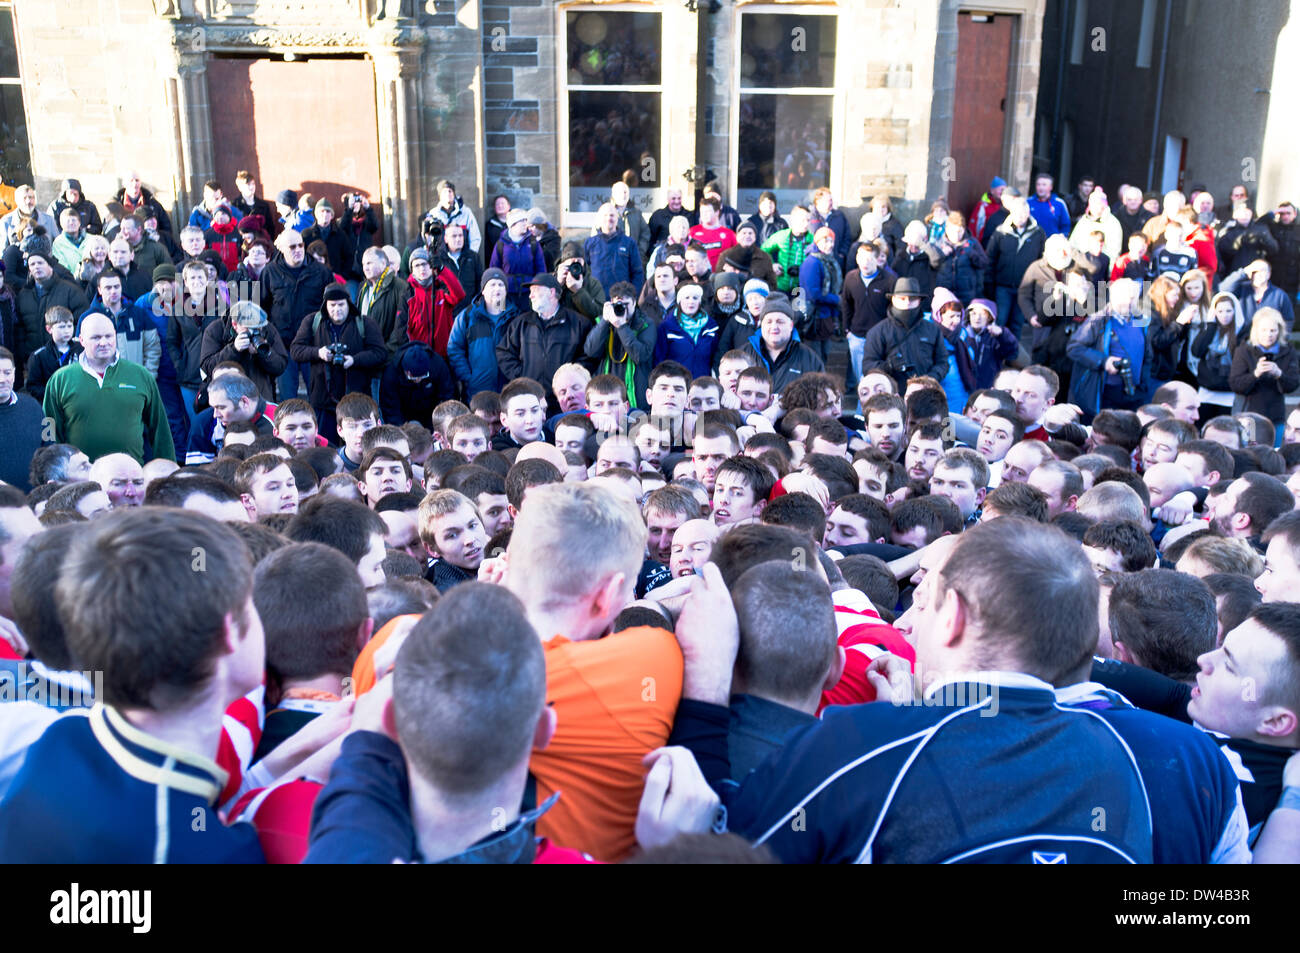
(543,280)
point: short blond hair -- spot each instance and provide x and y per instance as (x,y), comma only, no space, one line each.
(577,370)
(571,538)
(1265,318)
(437,504)
(1226,555)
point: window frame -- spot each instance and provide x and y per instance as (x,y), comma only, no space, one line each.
(568,217)
(835,92)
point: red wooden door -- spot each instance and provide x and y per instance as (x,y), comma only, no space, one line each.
(979,107)
(308,126)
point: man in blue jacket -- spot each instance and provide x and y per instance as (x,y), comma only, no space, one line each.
(1100,348)
(137,781)
(983,768)
(1049,210)
(611,255)
(472,347)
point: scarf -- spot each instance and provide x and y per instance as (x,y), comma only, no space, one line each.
(370,291)
(692,324)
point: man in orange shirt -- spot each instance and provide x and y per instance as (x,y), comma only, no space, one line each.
(573,561)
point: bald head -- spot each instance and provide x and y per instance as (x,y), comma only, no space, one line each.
(121,477)
(1165,480)
(541,450)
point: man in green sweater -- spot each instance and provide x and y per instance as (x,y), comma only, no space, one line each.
(104,404)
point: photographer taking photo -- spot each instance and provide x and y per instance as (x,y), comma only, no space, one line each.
(247,338)
(580,290)
(623,343)
(344,351)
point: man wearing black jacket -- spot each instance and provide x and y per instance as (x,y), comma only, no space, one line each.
(245,337)
(415,381)
(344,351)
(775,345)
(907,345)
(864,302)
(660,218)
(296,284)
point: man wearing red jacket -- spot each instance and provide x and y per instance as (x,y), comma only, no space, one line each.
(431,309)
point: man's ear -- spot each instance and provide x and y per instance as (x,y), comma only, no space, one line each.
(1278,723)
(952,618)
(1241,522)
(1071,504)
(249,506)
(607,600)
(836,671)
(759,507)
(980,494)
(1122,653)
(364,632)
(389,719)
(514,513)
(545,729)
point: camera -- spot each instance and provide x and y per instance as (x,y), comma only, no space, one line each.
(898,365)
(255,338)
(577,269)
(338,351)
(620,309)
(432,228)
(1124,368)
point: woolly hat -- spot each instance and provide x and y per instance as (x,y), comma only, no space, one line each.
(493,274)
(38,245)
(287,197)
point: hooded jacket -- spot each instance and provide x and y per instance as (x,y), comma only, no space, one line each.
(520,261)
(330,381)
(224,240)
(30,307)
(295,292)
(460,215)
(533,348)
(146,200)
(795,359)
(789,252)
(472,347)
(262,365)
(430,311)
(90,221)
(1239,245)
(906,345)
(1011,252)
(837,223)
(1214,366)
(960,270)
(821,279)
(402,399)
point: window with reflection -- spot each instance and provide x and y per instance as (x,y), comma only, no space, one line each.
(614,64)
(786,104)
(15,155)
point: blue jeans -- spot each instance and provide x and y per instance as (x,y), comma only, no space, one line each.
(1009,311)
(287,385)
(857,348)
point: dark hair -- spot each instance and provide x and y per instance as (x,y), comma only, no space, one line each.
(355,406)
(914,512)
(883,403)
(174,490)
(341,524)
(670,369)
(1028,590)
(1264,499)
(312,605)
(949,513)
(468,688)
(925,403)
(836,472)
(638,616)
(870,509)
(1005,400)
(1072,524)
(399,596)
(756,476)
(798,511)
(1121,428)
(260,538)
(527,474)
(1282,619)
(160,658)
(391,454)
(1239,595)
(442,462)
(871,576)
(788,636)
(1216,456)
(1017,425)
(1270,462)
(1018,499)
(1290,455)
(50,464)
(750,544)
(1225,424)
(1125,537)
(35,573)
(323,460)
(771,441)
(384,433)
(1166,619)
(1257,428)
(70,496)
(472,480)
(808,391)
(831,431)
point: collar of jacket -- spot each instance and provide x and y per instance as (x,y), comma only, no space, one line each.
(515,845)
(905,319)
(153,760)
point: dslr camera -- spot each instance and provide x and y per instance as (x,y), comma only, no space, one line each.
(577,268)
(432,228)
(1124,368)
(255,337)
(338,351)
(620,309)
(897,364)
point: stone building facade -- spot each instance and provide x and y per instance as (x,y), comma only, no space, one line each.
(545,102)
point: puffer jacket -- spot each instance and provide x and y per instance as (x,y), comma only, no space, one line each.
(906,345)
(961,270)
(674,344)
(520,261)
(614,258)
(472,348)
